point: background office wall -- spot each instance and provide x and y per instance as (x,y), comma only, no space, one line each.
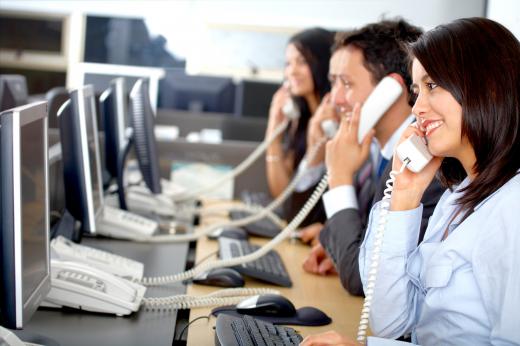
(190,27)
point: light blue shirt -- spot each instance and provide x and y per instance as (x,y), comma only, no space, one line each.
(464,290)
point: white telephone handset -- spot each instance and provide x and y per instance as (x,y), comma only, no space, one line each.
(290,109)
(415,151)
(386,92)
(80,286)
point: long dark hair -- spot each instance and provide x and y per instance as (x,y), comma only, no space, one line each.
(315,46)
(478,61)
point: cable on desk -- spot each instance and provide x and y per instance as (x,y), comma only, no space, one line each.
(189,323)
(205,258)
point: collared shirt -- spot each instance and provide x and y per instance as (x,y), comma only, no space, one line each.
(463,290)
(344,196)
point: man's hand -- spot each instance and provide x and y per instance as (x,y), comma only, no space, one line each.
(328,338)
(344,155)
(310,234)
(325,111)
(318,262)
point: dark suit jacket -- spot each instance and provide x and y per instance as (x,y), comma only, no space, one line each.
(344,231)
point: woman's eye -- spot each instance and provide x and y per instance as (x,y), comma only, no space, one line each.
(431,85)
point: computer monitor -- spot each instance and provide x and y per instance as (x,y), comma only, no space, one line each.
(55,97)
(113,108)
(197,93)
(100,75)
(253,98)
(143,136)
(81,160)
(13,91)
(24,213)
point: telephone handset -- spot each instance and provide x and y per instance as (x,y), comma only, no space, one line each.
(290,109)
(80,286)
(415,151)
(386,92)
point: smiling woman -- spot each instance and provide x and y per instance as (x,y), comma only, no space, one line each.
(459,286)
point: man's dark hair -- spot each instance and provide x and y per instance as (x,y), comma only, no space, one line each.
(383,47)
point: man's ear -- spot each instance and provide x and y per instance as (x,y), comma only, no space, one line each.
(398,78)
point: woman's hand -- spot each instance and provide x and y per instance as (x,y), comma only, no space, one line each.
(276,116)
(409,187)
(328,338)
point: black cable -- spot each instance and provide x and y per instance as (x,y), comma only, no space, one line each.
(189,323)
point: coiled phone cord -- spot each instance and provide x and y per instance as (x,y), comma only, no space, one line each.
(293,225)
(229,296)
(238,169)
(376,252)
(263,212)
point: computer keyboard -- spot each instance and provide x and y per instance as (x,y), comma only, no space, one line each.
(265,227)
(268,268)
(248,331)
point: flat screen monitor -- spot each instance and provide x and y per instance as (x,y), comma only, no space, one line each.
(197,93)
(24,213)
(13,91)
(100,75)
(81,159)
(143,135)
(253,98)
(113,108)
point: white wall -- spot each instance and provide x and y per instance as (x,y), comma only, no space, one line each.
(185,23)
(506,12)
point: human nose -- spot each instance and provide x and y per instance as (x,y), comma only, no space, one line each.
(338,94)
(421,105)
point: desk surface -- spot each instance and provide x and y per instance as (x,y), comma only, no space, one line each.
(325,293)
(73,327)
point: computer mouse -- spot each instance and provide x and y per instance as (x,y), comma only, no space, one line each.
(266,305)
(235,233)
(222,277)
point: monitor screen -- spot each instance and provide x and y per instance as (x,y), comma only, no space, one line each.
(13,91)
(143,137)
(197,93)
(24,233)
(253,98)
(80,156)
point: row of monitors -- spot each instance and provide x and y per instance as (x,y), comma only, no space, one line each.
(180,91)
(24,192)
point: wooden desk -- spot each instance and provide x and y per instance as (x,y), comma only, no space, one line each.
(325,293)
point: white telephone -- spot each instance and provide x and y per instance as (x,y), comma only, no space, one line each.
(80,286)
(386,92)
(121,224)
(66,250)
(415,151)
(290,109)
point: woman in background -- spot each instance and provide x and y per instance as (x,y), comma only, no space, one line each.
(306,82)
(460,286)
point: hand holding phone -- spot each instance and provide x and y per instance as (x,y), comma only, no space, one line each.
(410,185)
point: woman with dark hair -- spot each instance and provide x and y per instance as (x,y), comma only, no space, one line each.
(461,285)
(306,81)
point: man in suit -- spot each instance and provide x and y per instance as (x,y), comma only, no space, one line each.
(358,172)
